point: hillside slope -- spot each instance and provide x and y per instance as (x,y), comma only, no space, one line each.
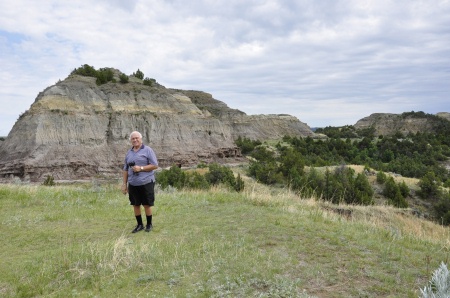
(259,243)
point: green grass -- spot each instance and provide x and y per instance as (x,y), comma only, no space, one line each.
(75,241)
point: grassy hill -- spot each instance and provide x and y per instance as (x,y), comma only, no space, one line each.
(75,241)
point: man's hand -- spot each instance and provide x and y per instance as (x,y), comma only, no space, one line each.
(124,189)
(137,169)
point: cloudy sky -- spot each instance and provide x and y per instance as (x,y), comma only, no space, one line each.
(326,62)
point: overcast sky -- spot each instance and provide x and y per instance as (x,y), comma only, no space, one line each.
(326,62)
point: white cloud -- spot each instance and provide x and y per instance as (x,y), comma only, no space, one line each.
(325,62)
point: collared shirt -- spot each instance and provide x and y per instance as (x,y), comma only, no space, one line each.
(144,156)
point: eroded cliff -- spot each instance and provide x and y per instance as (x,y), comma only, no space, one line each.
(76,129)
(405,123)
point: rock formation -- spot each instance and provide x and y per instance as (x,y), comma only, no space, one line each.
(389,124)
(77,129)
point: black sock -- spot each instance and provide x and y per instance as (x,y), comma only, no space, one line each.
(149,220)
(139,220)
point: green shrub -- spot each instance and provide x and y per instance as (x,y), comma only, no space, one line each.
(429,186)
(149,82)
(262,154)
(353,189)
(85,70)
(49,181)
(404,189)
(220,174)
(239,186)
(196,181)
(442,209)
(247,145)
(381,177)
(103,75)
(138,74)
(363,192)
(394,193)
(202,165)
(217,174)
(291,160)
(265,172)
(174,177)
(390,188)
(446,183)
(314,183)
(123,78)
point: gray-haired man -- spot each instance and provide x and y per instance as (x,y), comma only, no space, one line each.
(139,179)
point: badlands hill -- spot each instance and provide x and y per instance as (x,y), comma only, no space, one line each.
(405,123)
(77,129)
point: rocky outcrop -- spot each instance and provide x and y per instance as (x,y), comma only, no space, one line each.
(76,129)
(389,124)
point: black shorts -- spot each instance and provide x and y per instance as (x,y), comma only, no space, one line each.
(142,194)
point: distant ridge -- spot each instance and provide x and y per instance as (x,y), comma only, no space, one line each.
(405,123)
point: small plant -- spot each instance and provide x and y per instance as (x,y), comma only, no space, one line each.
(220,174)
(49,181)
(174,177)
(195,180)
(202,165)
(138,74)
(103,75)
(247,145)
(404,189)
(123,78)
(381,177)
(239,186)
(439,285)
(149,82)
(85,70)
(396,192)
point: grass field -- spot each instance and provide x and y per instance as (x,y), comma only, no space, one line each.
(75,241)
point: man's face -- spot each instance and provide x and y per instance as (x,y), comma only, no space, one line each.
(136,141)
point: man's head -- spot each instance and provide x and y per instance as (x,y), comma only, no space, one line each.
(136,139)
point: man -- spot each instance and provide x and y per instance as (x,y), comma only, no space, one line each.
(139,179)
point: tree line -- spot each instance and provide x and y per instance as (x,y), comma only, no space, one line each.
(216,174)
(317,167)
(105,75)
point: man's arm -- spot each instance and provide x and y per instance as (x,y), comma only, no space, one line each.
(125,182)
(147,168)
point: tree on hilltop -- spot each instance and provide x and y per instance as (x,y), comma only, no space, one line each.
(138,74)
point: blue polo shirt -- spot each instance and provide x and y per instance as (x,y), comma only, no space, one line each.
(144,156)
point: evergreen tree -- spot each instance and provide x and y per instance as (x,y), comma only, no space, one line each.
(429,186)
(196,181)
(174,177)
(381,177)
(363,190)
(404,189)
(239,186)
(220,174)
(138,74)
(123,78)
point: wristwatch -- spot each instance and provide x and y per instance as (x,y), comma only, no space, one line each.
(142,168)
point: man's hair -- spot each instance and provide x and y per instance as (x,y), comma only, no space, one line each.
(136,132)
